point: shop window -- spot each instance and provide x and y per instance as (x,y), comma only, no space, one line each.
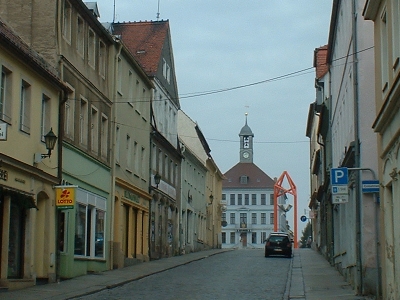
(89,225)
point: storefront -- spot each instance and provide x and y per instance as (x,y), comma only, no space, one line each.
(27,220)
(131,225)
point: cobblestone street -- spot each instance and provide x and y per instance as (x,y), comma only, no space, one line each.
(242,274)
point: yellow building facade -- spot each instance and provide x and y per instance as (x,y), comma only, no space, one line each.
(29,97)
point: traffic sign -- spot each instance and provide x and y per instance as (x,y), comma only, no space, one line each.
(370,186)
(340,189)
(340,198)
(303,218)
(339,176)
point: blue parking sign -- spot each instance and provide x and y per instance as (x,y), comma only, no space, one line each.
(339,176)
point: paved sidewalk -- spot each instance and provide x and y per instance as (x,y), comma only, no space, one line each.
(310,277)
(313,278)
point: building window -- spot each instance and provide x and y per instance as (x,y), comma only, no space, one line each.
(263,218)
(271,199)
(94,130)
(384,52)
(117,145)
(67,21)
(396,34)
(128,153)
(45,124)
(223,218)
(120,75)
(143,164)
(240,200)
(243,220)
(271,218)
(263,237)
(25,112)
(83,122)
(232,199)
(89,225)
(92,49)
(104,136)
(253,199)
(69,116)
(223,236)
(135,156)
(5,95)
(263,199)
(246,199)
(253,218)
(131,88)
(232,237)
(102,59)
(233,221)
(254,237)
(223,197)
(166,71)
(80,37)
(243,179)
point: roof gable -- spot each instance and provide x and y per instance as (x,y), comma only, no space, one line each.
(256,177)
(145,40)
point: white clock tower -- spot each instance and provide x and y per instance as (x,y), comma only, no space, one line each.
(246,144)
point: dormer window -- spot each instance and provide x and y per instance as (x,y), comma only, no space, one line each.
(166,70)
(244,179)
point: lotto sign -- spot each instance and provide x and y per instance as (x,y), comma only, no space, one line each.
(65,197)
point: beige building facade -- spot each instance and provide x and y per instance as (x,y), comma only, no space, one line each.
(386,18)
(131,159)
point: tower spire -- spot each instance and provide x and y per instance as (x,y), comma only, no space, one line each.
(158,10)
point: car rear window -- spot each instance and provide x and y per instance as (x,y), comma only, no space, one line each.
(276,239)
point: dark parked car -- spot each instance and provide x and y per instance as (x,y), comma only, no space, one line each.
(278,243)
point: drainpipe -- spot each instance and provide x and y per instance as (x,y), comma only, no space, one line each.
(358,194)
(112,158)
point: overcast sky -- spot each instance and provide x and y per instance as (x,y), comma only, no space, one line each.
(260,53)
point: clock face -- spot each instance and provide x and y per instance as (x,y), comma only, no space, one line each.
(245,154)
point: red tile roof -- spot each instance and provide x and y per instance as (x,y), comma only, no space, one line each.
(145,40)
(256,177)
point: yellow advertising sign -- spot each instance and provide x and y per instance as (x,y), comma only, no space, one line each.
(65,197)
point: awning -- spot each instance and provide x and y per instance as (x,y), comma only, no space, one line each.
(22,199)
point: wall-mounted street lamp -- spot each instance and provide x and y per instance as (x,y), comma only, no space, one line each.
(157,179)
(211,200)
(50,140)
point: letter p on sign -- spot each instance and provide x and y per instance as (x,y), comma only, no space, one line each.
(339,176)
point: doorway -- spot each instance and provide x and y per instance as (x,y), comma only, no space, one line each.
(15,243)
(243,238)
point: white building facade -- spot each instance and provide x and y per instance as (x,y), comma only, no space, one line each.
(248,194)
